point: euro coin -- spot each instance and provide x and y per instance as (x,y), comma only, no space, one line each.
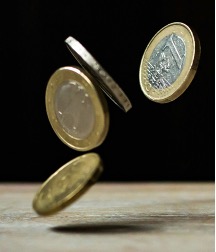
(169,62)
(105,81)
(76,108)
(67,184)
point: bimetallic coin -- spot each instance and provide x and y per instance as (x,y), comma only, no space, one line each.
(105,81)
(169,62)
(67,184)
(76,108)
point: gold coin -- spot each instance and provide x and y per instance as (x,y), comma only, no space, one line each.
(169,62)
(67,184)
(76,108)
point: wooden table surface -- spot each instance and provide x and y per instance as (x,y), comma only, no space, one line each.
(114,217)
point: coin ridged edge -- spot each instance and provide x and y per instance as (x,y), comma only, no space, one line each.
(105,81)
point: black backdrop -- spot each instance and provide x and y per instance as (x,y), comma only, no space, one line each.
(152,142)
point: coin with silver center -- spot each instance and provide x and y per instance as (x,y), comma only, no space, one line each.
(67,184)
(76,108)
(105,81)
(169,62)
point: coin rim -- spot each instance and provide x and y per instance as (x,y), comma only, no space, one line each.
(105,81)
(188,72)
(75,194)
(102,118)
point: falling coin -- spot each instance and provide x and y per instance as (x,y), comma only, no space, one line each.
(67,184)
(105,81)
(169,62)
(76,108)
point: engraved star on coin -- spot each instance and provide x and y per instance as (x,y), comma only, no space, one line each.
(76,108)
(67,184)
(169,62)
(105,81)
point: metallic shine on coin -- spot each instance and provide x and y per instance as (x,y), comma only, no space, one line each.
(76,108)
(105,81)
(67,184)
(169,62)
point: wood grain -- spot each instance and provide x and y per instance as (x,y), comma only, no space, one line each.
(124,217)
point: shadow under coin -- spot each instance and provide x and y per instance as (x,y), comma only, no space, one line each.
(102,228)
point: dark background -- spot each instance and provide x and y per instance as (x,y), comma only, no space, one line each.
(151,142)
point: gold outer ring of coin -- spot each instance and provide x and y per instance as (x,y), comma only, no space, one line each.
(67,184)
(191,61)
(105,81)
(99,103)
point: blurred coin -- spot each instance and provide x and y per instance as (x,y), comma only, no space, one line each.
(169,62)
(76,108)
(67,184)
(105,81)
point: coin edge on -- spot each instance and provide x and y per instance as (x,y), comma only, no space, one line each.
(105,81)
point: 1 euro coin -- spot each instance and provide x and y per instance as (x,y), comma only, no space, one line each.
(169,62)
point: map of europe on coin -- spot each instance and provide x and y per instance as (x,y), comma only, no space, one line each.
(169,63)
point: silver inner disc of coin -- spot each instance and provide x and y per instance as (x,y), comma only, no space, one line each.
(74,109)
(166,61)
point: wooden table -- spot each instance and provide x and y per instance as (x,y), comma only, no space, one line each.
(145,217)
